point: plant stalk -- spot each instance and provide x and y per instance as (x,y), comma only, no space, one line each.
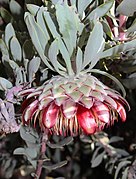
(44,140)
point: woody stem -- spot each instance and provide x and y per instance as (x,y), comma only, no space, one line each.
(44,140)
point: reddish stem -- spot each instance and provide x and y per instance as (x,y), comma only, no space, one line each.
(42,154)
(122,24)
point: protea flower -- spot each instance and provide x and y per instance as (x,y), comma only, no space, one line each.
(73,105)
(73,102)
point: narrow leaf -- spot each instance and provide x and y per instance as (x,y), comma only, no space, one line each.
(118,49)
(55,166)
(15,8)
(120,165)
(19,151)
(101,10)
(6,15)
(69,22)
(115,139)
(41,22)
(132,28)
(127,7)
(33,67)
(53,52)
(82,5)
(9,33)
(61,144)
(125,173)
(97,160)
(35,39)
(16,50)
(51,24)
(111,77)
(33,9)
(3,48)
(65,55)
(94,46)
(79,60)
(5,84)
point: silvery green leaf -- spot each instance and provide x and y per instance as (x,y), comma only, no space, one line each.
(94,46)
(125,173)
(127,7)
(9,33)
(120,166)
(6,15)
(82,5)
(68,27)
(33,67)
(33,9)
(19,151)
(55,166)
(63,50)
(122,152)
(28,152)
(40,32)
(3,48)
(65,141)
(101,10)
(52,54)
(115,139)
(132,28)
(41,22)
(5,84)
(97,160)
(73,2)
(35,39)
(79,60)
(51,24)
(15,49)
(118,49)
(20,76)
(13,64)
(26,135)
(15,8)
(111,77)
(31,152)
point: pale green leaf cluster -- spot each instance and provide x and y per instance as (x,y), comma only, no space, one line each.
(64,38)
(58,35)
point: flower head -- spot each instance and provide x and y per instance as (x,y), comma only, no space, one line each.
(71,106)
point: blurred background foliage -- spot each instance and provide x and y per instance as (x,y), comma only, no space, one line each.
(110,154)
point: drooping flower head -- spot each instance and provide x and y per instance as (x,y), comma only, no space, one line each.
(73,102)
(71,106)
